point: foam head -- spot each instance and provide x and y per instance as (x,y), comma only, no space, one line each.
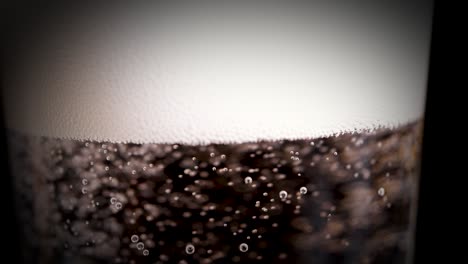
(209,73)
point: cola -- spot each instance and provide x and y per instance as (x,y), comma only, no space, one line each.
(217,131)
(347,198)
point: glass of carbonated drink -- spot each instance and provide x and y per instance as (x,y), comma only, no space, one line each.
(220,132)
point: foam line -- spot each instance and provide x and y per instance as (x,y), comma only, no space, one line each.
(204,75)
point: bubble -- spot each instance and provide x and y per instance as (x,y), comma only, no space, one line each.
(145,252)
(113,200)
(248,180)
(243,247)
(140,246)
(303,190)
(283,194)
(118,206)
(134,238)
(189,249)
(84,182)
(84,190)
(381,191)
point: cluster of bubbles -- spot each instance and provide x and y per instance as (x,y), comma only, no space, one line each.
(196,202)
(195,189)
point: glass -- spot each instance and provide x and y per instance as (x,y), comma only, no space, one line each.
(219,133)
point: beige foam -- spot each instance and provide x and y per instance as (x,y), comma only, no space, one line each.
(203,76)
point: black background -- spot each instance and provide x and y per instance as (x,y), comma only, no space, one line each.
(441,228)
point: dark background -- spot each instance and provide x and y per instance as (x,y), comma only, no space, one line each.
(441,228)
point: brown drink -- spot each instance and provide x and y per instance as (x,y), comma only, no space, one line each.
(339,199)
